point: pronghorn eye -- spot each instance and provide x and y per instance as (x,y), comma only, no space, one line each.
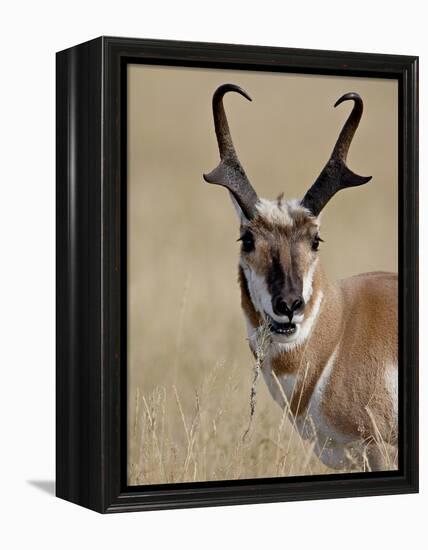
(247,240)
(316,243)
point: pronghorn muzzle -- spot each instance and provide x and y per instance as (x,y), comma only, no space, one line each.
(285,287)
(287,307)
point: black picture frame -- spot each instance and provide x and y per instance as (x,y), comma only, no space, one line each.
(91,274)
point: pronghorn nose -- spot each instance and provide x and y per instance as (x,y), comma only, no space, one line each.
(281,307)
(298,304)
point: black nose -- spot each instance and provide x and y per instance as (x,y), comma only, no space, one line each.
(282,307)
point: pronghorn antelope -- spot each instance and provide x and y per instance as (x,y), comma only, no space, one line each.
(332,345)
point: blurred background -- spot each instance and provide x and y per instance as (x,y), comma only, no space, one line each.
(189,366)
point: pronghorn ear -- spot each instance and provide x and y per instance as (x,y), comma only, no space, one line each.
(242,218)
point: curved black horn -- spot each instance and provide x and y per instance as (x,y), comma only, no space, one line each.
(229,173)
(335,174)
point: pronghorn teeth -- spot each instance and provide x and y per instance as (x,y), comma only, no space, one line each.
(281,328)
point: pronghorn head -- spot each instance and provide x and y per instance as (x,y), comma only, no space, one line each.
(280,238)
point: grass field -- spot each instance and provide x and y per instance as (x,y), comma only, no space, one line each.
(190,371)
(212,435)
(217,434)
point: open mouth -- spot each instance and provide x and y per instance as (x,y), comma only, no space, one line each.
(286,329)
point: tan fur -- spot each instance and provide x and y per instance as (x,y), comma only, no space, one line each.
(356,325)
(369,343)
(269,235)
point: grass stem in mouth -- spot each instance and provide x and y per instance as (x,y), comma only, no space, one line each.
(262,343)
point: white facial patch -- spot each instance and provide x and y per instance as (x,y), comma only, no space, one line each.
(274,211)
(279,211)
(259,293)
(308,280)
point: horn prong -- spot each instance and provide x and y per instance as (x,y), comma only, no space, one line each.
(229,173)
(336,175)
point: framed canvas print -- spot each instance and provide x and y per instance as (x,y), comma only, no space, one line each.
(237,295)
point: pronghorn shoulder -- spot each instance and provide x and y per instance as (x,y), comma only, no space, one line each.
(376,282)
(372,297)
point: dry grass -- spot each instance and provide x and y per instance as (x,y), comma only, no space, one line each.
(212,441)
(192,381)
(216,438)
